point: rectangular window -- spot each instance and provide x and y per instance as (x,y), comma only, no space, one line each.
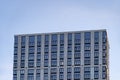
(31,56)
(31,40)
(77,62)
(96,54)
(77,38)
(69,38)
(23,41)
(30,74)
(87,47)
(96,61)
(31,49)
(87,37)
(87,61)
(96,37)
(15,41)
(86,73)
(46,39)
(53,56)
(39,40)
(54,39)
(61,38)
(53,63)
(77,55)
(30,63)
(22,72)
(69,62)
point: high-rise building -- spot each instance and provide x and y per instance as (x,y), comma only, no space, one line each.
(74,55)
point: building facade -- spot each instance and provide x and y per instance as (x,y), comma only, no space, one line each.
(74,55)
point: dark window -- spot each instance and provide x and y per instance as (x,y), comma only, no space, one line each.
(96,37)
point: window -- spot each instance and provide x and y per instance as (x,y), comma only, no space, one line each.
(30,74)
(31,40)
(61,38)
(96,46)
(62,48)
(96,54)
(96,37)
(69,73)
(61,70)
(76,69)
(45,63)
(77,62)
(54,49)
(77,73)
(23,40)
(77,55)
(61,73)
(104,61)
(22,74)
(46,49)
(53,63)
(38,56)
(104,36)
(39,40)
(69,55)
(69,70)
(39,49)
(69,48)
(69,38)
(86,61)
(22,64)
(15,50)
(38,76)
(69,62)
(87,54)
(15,64)
(77,38)
(53,55)
(22,50)
(53,74)
(96,75)
(31,49)
(15,58)
(77,48)
(87,46)
(14,77)
(45,76)
(86,72)
(54,39)
(31,63)
(69,76)
(87,37)
(15,41)
(104,72)
(46,56)
(46,71)
(96,61)
(38,63)
(46,39)
(76,76)
(61,55)
(31,56)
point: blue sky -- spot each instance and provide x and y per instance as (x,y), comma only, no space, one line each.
(39,16)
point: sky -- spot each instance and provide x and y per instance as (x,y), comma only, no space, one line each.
(41,16)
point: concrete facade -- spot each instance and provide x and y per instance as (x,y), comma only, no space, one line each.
(73,55)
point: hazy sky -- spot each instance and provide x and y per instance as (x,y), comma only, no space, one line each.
(39,16)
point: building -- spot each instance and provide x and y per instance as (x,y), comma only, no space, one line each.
(74,55)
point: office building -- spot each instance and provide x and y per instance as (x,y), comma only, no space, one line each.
(73,55)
